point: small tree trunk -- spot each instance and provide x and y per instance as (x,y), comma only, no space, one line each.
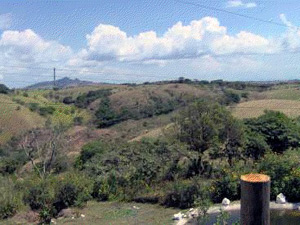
(255,199)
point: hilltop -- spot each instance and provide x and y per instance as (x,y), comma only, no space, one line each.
(61,83)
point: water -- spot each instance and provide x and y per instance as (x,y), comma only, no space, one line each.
(278,217)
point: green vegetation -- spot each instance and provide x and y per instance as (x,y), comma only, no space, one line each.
(175,144)
(4,89)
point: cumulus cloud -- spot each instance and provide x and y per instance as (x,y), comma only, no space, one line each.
(239,3)
(5,21)
(201,37)
(291,39)
(28,47)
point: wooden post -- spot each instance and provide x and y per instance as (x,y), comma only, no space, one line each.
(255,199)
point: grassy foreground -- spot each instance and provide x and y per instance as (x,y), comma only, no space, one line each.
(114,213)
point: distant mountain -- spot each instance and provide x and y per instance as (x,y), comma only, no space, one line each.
(61,83)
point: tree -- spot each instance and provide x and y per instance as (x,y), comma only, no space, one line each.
(280,132)
(4,89)
(42,147)
(207,126)
(256,146)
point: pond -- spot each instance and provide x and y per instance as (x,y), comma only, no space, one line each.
(278,217)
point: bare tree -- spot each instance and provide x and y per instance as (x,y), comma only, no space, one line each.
(42,147)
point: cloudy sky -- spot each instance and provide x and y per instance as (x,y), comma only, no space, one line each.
(147,40)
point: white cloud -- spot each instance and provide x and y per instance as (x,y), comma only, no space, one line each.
(290,40)
(28,47)
(201,37)
(5,21)
(239,3)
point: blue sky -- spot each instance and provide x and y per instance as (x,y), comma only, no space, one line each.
(145,40)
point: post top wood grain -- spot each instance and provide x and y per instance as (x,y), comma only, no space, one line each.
(255,178)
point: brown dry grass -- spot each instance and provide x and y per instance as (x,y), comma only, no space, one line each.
(256,108)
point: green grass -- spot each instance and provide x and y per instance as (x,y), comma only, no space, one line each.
(13,121)
(114,213)
(63,113)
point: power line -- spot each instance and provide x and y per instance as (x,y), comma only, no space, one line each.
(233,13)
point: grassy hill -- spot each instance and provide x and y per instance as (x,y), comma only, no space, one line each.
(15,119)
(17,114)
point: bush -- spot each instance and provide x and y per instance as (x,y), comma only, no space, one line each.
(292,190)
(38,197)
(78,120)
(33,106)
(48,110)
(4,89)
(66,196)
(72,190)
(279,131)
(68,100)
(284,173)
(183,195)
(89,151)
(9,198)
(231,97)
(101,190)
(8,166)
(226,187)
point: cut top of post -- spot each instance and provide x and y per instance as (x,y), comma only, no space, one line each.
(255,178)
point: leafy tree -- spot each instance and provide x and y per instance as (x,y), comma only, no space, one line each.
(105,115)
(231,97)
(4,89)
(280,132)
(256,146)
(209,126)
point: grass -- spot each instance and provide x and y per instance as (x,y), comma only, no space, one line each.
(256,108)
(13,121)
(63,113)
(114,213)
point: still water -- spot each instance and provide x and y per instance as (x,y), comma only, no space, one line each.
(278,217)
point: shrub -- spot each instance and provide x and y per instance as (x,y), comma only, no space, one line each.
(231,97)
(88,151)
(226,187)
(101,190)
(33,106)
(245,95)
(8,166)
(48,110)
(4,89)
(9,198)
(66,195)
(68,100)
(284,173)
(72,190)
(78,120)
(292,190)
(38,197)
(279,131)
(182,195)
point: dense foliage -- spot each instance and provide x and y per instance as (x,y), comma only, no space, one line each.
(199,158)
(4,89)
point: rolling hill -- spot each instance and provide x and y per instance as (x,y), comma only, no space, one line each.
(61,83)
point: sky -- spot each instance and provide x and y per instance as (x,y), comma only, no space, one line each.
(147,40)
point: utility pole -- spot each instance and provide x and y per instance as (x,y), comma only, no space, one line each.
(54,78)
